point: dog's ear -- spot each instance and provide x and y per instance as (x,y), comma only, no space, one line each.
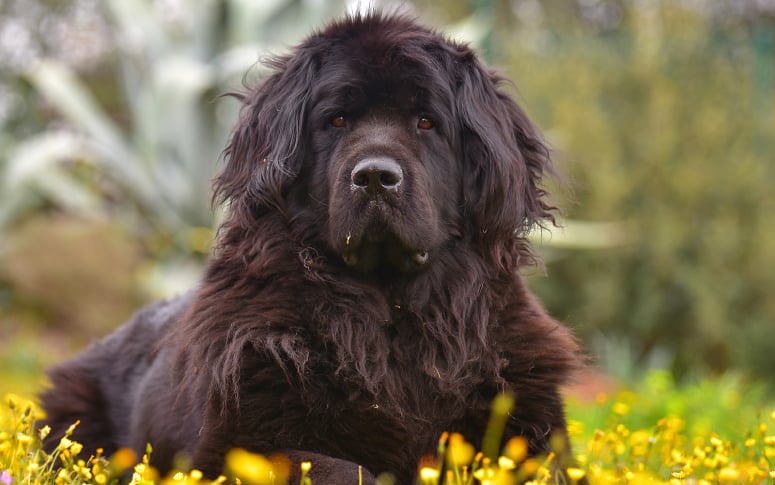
(504,156)
(266,149)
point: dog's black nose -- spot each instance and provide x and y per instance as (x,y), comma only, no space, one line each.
(377,175)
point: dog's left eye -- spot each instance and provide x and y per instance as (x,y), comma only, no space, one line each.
(424,123)
(338,121)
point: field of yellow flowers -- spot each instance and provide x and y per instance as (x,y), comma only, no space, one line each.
(612,447)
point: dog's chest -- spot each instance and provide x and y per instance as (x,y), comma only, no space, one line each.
(378,436)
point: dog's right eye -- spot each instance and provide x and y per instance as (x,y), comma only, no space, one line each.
(338,122)
(424,123)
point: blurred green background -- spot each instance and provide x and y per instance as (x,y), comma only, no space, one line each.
(662,115)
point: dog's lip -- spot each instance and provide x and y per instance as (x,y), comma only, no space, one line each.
(411,261)
(420,257)
(382,248)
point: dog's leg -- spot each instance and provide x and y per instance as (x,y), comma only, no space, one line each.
(209,457)
(547,436)
(327,470)
(324,469)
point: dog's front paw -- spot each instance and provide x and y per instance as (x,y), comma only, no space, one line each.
(326,470)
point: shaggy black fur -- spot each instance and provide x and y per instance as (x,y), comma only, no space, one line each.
(364,295)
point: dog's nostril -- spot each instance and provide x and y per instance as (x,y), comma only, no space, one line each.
(389,179)
(377,174)
(361,179)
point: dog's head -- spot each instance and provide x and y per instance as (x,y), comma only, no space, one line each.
(385,143)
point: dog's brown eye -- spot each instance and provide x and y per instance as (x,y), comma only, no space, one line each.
(424,123)
(338,122)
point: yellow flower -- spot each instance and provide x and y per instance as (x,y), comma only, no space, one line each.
(76,448)
(619,447)
(639,442)
(250,467)
(24,439)
(428,474)
(575,474)
(459,452)
(673,424)
(516,449)
(676,456)
(575,428)
(620,408)
(122,459)
(506,463)
(485,474)
(728,475)
(530,466)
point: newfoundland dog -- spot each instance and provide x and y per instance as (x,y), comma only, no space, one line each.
(364,295)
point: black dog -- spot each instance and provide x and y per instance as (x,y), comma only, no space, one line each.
(364,296)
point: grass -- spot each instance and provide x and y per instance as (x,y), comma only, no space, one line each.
(723,436)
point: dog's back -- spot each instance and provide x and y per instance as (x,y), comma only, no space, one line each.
(100,386)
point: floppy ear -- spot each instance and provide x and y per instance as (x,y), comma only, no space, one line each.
(504,158)
(265,152)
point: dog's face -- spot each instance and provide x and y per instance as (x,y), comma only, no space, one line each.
(386,144)
(382,160)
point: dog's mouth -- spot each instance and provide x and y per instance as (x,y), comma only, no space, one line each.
(377,248)
(385,256)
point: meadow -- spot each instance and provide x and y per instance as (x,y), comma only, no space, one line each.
(713,431)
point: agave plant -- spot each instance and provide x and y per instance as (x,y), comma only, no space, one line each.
(152,159)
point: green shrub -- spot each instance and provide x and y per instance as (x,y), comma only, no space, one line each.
(665,124)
